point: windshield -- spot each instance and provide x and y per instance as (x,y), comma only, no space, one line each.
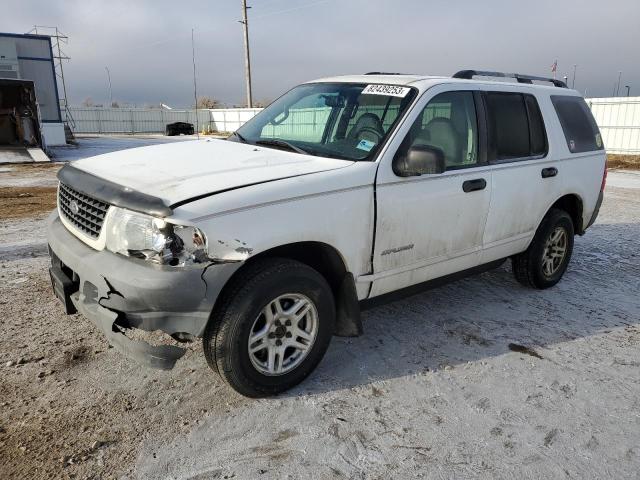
(340,120)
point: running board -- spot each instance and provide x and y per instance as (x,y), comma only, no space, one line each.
(428,285)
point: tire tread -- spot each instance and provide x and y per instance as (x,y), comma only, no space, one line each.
(523,263)
(221,325)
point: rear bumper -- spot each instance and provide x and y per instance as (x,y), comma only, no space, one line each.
(118,293)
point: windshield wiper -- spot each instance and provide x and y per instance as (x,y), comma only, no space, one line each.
(280,143)
(240,137)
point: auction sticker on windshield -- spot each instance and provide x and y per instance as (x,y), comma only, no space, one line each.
(365,145)
(389,90)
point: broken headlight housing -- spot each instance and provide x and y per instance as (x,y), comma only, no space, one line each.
(154,239)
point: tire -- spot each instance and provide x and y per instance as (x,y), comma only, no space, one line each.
(531,267)
(260,288)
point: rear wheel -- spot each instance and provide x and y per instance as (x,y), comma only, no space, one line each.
(272,328)
(543,264)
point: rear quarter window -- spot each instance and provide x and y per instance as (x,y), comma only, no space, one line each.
(537,131)
(580,129)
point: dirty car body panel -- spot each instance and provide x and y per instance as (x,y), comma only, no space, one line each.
(388,231)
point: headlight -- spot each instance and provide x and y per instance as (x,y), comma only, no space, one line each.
(149,238)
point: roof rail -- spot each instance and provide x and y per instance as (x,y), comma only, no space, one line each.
(384,73)
(469,74)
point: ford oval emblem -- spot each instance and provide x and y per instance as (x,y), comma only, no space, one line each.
(73,206)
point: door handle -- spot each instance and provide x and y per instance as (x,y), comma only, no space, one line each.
(473,185)
(549,172)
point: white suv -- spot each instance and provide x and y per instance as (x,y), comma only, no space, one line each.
(341,192)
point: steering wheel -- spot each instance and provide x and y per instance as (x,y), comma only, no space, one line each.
(369,133)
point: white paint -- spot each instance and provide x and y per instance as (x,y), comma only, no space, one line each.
(426,226)
(180,171)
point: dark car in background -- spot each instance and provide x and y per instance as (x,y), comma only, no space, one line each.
(178,128)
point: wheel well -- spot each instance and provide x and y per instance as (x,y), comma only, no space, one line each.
(327,261)
(573,206)
(319,256)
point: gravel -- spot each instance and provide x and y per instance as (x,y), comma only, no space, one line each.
(480,378)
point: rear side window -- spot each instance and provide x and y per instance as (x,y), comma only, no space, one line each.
(579,127)
(537,132)
(516,128)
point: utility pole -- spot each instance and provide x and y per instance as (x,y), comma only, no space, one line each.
(573,83)
(628,89)
(618,87)
(195,88)
(110,91)
(247,60)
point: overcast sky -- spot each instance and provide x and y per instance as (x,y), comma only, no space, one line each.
(147,44)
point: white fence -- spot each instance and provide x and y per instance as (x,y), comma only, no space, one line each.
(619,122)
(618,119)
(141,120)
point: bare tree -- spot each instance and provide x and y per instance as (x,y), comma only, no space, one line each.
(207,102)
(115,104)
(262,103)
(88,102)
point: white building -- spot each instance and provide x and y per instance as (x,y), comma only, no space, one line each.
(27,68)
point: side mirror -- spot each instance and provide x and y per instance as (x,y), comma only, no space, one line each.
(419,160)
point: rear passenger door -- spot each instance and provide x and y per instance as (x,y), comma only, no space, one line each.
(523,176)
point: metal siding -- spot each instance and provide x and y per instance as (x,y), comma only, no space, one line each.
(35,60)
(41,74)
(33,47)
(619,121)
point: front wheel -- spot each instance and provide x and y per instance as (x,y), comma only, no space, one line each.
(543,264)
(272,328)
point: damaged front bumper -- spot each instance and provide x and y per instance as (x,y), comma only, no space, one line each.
(118,294)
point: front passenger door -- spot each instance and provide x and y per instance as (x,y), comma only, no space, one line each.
(432,225)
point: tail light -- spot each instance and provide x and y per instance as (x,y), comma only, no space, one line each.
(604,178)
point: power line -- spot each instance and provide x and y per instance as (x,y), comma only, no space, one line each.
(299,7)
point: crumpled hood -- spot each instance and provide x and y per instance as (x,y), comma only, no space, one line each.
(183,170)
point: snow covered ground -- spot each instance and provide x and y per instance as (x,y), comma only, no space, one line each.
(482,378)
(89,146)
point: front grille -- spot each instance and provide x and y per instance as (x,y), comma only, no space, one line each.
(90,212)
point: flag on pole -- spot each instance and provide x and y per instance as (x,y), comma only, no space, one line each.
(554,67)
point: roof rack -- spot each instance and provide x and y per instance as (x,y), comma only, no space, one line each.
(469,74)
(384,73)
